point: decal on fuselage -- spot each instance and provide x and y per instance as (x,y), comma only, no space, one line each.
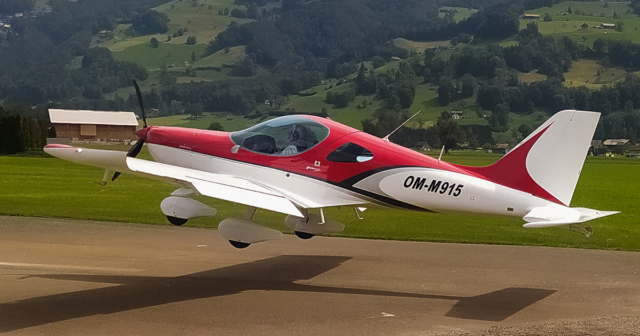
(434,186)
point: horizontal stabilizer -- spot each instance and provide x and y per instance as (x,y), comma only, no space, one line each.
(556,215)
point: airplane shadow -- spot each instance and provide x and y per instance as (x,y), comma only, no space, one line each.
(274,274)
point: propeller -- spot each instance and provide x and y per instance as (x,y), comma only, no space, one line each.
(135,150)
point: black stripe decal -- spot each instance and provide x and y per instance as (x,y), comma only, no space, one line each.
(344,184)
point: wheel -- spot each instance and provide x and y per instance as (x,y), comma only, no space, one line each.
(238,244)
(303,235)
(176,221)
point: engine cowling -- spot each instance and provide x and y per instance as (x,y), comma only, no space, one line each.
(185,208)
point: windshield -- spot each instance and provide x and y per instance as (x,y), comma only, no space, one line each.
(288,135)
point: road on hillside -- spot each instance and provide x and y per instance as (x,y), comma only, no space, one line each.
(61,276)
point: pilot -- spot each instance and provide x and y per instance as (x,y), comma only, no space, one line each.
(298,140)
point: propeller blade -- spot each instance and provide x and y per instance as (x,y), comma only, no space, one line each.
(135,150)
(115,176)
(139,94)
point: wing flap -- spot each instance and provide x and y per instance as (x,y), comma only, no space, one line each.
(228,188)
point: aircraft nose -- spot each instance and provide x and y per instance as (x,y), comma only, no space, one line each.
(142,133)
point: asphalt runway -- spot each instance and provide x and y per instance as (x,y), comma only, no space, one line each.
(61,277)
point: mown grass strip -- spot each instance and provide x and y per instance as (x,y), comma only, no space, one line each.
(49,187)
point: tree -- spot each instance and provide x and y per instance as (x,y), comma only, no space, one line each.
(499,118)
(468,85)
(193,56)
(569,10)
(547,17)
(215,126)
(525,130)
(245,68)
(619,26)
(154,42)
(446,91)
(151,22)
(195,110)
(191,40)
(448,131)
(164,76)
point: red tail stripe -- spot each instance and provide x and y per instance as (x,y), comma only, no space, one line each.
(511,170)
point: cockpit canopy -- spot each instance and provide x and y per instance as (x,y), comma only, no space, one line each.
(285,136)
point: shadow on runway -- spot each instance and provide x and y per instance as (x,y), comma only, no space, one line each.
(273,274)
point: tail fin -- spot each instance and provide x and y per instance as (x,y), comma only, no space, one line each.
(548,162)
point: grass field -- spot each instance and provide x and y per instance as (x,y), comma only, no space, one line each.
(590,73)
(222,58)
(232,124)
(419,46)
(49,187)
(591,13)
(166,53)
(461,12)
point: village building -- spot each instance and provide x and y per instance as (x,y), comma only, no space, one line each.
(422,145)
(94,125)
(456,115)
(634,151)
(595,148)
(530,16)
(501,148)
(618,146)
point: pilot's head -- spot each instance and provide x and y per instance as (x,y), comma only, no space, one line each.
(298,132)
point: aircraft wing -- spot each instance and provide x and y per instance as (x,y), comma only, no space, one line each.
(225,187)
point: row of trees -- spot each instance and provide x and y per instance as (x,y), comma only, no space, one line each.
(20,132)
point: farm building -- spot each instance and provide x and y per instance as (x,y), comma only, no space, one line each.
(530,16)
(94,125)
(596,148)
(456,115)
(501,148)
(608,25)
(634,151)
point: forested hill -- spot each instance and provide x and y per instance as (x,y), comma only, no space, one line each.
(322,37)
(37,50)
(337,31)
(490,62)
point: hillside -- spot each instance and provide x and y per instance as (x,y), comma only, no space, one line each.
(366,63)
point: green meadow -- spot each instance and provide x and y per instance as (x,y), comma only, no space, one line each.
(49,187)
(591,13)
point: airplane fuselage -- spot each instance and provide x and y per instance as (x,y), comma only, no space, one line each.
(395,177)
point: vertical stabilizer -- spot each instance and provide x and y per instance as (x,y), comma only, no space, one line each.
(548,162)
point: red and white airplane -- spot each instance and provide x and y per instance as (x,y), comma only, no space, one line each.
(294,164)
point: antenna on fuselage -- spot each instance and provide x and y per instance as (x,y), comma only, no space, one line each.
(397,128)
(445,143)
